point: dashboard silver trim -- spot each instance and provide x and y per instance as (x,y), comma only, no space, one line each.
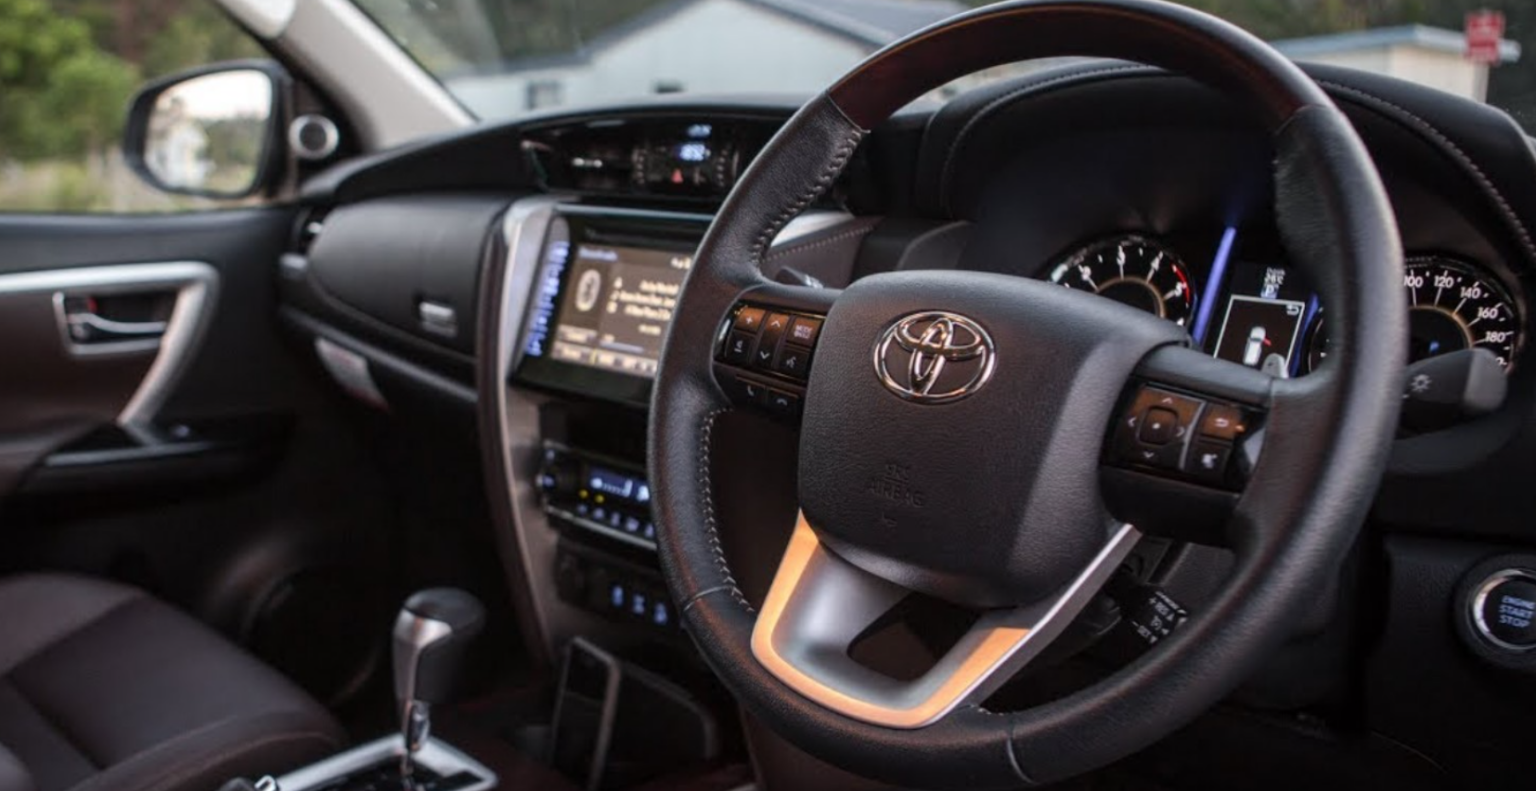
(523,230)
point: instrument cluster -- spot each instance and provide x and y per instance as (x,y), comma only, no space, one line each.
(1264,315)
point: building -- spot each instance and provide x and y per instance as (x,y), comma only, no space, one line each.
(706,46)
(799,47)
(1427,55)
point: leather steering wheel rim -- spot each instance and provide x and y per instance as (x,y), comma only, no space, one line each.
(1329,432)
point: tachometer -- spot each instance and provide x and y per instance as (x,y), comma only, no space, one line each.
(1135,271)
(1452,306)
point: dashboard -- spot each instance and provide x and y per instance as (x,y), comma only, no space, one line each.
(525,274)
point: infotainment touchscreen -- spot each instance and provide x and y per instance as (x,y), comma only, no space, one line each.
(617,307)
(604,299)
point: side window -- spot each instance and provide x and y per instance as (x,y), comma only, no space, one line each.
(67,71)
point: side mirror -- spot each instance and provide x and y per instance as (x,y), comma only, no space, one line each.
(212,132)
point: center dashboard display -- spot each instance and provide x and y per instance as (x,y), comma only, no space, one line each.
(603,301)
(617,307)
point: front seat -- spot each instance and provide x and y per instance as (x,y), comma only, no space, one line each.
(104,687)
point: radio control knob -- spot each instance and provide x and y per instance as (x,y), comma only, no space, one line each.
(559,476)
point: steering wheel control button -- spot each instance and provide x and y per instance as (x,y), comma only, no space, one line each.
(1504,609)
(774,327)
(1158,426)
(744,391)
(1208,461)
(737,349)
(1183,406)
(768,343)
(765,357)
(793,361)
(749,319)
(1148,614)
(1156,429)
(804,331)
(783,403)
(1222,421)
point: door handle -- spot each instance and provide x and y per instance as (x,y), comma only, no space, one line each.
(86,328)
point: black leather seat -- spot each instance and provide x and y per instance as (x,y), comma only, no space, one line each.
(103,687)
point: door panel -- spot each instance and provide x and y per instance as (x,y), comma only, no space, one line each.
(79,352)
(203,460)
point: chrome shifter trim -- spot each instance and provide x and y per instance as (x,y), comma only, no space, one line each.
(434,755)
(418,633)
(415,633)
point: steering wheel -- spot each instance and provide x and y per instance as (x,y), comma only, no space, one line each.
(953,437)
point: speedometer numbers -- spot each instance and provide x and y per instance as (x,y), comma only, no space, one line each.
(1135,271)
(1452,306)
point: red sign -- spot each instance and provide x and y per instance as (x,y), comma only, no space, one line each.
(1485,30)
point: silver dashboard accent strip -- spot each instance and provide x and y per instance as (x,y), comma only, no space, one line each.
(196,286)
(434,754)
(819,604)
(523,231)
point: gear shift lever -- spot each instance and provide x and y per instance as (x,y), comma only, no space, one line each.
(431,634)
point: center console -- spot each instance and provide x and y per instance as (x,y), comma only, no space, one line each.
(587,298)
(577,306)
(603,293)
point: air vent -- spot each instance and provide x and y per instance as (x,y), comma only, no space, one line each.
(308,228)
(295,262)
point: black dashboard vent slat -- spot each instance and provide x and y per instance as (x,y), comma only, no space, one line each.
(307,229)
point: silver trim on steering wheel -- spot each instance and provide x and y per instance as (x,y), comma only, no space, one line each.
(819,604)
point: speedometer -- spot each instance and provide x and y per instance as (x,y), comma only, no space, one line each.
(1452,306)
(1135,271)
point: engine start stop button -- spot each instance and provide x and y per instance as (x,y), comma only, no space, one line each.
(1504,609)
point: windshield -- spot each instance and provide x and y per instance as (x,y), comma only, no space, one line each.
(503,58)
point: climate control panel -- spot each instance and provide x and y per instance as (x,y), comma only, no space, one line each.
(597,495)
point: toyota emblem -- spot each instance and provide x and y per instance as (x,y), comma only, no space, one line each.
(934,357)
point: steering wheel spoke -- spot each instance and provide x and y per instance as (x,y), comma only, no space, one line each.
(820,604)
(766,345)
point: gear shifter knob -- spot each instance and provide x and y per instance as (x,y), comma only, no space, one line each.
(432,633)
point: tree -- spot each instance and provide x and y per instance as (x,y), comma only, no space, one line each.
(62,96)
